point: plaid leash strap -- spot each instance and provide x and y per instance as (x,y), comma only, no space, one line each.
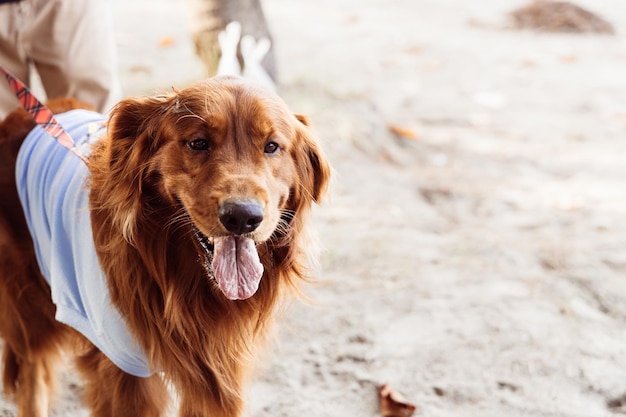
(41,114)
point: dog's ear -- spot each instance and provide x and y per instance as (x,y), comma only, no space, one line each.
(313,176)
(135,117)
(118,165)
(312,166)
(133,128)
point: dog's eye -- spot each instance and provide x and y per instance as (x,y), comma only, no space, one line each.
(198,144)
(271,147)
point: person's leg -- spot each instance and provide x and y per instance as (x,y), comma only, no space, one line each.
(72,45)
(210,17)
(12,54)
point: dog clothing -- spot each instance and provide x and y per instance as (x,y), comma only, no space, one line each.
(51,183)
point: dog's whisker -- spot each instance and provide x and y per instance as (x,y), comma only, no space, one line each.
(206,99)
(284,229)
(181,220)
(192,114)
(177,222)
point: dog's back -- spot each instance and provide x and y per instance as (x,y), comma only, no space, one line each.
(13,130)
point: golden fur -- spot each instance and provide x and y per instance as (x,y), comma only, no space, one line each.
(146,188)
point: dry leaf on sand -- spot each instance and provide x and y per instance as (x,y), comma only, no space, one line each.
(392,404)
(403,132)
(559,16)
(167,41)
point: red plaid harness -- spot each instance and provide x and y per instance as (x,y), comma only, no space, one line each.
(41,114)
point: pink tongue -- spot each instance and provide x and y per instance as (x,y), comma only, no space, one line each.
(237,267)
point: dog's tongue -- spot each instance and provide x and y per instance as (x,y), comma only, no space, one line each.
(237,267)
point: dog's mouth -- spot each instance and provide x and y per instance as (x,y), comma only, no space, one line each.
(234,263)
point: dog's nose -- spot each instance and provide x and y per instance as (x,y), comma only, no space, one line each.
(241,216)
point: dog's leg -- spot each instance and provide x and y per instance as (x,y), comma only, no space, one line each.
(33,338)
(110,392)
(208,407)
(31,377)
(35,387)
(29,361)
(212,399)
(28,373)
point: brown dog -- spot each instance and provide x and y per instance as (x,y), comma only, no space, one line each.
(197,204)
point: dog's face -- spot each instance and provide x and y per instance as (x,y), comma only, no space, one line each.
(234,159)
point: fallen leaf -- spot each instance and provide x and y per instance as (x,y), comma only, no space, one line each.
(140,68)
(392,404)
(559,16)
(403,131)
(619,116)
(568,59)
(352,19)
(414,49)
(529,63)
(430,66)
(166,41)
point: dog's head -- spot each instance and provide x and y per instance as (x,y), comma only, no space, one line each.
(237,165)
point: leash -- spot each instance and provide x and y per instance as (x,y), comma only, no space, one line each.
(41,114)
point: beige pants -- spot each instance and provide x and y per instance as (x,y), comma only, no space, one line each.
(69,43)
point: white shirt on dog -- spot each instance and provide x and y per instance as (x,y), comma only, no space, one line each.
(54,196)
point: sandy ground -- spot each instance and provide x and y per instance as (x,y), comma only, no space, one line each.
(478,267)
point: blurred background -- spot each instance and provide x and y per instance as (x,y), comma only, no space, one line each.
(473,243)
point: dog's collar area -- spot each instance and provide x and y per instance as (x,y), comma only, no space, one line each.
(42,114)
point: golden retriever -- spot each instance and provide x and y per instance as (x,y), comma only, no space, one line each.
(198,203)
